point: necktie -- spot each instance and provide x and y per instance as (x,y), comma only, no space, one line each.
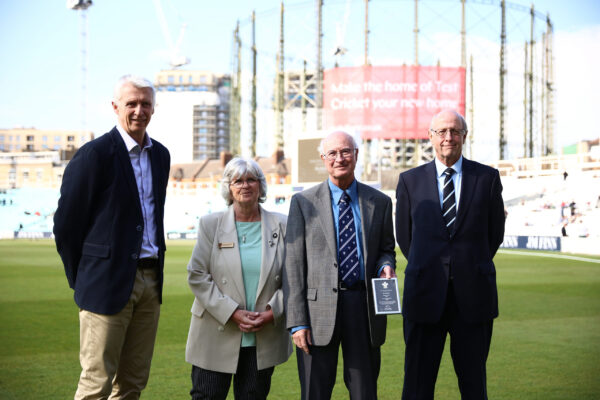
(347,252)
(449,202)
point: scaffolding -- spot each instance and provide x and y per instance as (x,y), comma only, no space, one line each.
(298,75)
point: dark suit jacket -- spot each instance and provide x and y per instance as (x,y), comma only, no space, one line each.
(98,224)
(310,280)
(433,255)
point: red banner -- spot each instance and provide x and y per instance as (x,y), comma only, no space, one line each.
(390,102)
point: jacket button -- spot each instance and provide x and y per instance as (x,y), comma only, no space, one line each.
(277,278)
(220,328)
(224,281)
(334,265)
(138,228)
(334,290)
(134,256)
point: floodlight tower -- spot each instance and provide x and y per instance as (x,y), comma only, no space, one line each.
(81,6)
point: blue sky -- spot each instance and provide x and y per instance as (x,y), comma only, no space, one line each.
(40,77)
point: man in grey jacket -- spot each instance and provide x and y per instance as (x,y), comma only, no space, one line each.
(339,237)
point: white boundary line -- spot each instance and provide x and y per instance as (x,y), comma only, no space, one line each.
(524,253)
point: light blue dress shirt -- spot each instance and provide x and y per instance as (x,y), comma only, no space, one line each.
(456,179)
(142,170)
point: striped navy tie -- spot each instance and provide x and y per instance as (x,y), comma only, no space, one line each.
(449,201)
(347,252)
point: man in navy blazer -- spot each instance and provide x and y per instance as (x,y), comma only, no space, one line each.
(109,233)
(450,278)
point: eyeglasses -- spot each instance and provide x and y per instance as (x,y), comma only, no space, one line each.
(453,132)
(239,183)
(344,153)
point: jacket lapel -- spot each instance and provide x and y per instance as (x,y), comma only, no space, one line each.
(126,167)
(367,211)
(469,181)
(271,235)
(226,233)
(326,217)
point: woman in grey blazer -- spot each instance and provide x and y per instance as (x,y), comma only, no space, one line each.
(237,325)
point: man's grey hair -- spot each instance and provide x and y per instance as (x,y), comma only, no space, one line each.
(321,147)
(137,81)
(239,167)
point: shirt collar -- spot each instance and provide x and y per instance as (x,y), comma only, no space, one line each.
(336,192)
(130,144)
(440,168)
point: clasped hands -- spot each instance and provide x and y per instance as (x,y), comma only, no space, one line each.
(252,321)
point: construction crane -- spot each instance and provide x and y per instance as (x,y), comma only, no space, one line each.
(81,7)
(340,34)
(176,60)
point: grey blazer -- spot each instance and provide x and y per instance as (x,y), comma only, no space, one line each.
(215,277)
(310,281)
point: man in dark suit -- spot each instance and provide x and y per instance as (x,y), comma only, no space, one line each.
(339,236)
(449,225)
(109,234)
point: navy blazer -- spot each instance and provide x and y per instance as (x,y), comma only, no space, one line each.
(434,256)
(98,225)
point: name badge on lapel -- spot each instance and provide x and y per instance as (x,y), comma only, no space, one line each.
(226,245)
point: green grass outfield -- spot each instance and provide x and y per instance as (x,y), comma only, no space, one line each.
(546,342)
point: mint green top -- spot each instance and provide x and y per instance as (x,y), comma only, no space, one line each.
(250,240)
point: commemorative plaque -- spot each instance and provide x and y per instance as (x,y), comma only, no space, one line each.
(385,296)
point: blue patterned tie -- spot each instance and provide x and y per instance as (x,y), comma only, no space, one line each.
(449,202)
(347,252)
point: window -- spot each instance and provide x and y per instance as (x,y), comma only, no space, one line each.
(170,79)
(180,78)
(30,138)
(29,147)
(57,138)
(2,138)
(45,138)
(70,138)
(190,79)
(39,175)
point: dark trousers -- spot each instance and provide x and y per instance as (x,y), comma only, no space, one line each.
(317,370)
(248,382)
(469,348)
